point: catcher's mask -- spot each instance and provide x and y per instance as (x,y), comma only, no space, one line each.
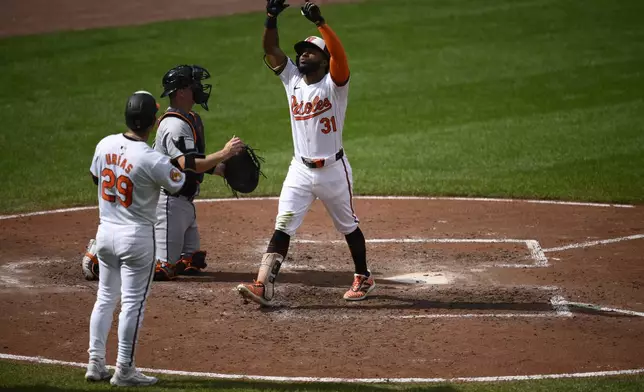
(141,111)
(183,76)
(311,42)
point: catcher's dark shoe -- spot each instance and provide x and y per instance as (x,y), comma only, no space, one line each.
(164,272)
(255,292)
(191,264)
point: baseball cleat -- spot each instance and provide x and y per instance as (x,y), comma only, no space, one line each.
(164,272)
(191,264)
(361,287)
(131,378)
(89,264)
(255,292)
(96,371)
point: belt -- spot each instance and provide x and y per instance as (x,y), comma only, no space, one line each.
(190,199)
(321,162)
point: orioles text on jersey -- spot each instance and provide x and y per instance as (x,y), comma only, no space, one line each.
(304,111)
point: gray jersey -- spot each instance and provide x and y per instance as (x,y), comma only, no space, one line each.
(176,230)
(176,124)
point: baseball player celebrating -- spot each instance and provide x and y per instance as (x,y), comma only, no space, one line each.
(181,134)
(317,87)
(129,175)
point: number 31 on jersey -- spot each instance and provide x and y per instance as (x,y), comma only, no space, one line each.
(329,125)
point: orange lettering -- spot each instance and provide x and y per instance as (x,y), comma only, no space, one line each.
(305,111)
(128,169)
(108,159)
(123,163)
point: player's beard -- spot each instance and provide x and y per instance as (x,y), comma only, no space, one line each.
(308,67)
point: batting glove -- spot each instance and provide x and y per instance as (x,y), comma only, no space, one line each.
(312,12)
(274,7)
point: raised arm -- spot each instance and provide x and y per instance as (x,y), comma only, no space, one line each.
(273,55)
(338,65)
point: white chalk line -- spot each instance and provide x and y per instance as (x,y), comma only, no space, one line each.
(223,376)
(589,244)
(418,240)
(604,308)
(57,211)
(536,253)
(555,202)
(560,305)
(482,315)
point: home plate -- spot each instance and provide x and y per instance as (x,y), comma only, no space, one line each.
(420,278)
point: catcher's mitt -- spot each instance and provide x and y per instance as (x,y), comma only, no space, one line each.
(242,171)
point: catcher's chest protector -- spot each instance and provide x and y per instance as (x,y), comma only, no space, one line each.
(196,125)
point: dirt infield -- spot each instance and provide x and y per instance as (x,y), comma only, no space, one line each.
(497,274)
(491,309)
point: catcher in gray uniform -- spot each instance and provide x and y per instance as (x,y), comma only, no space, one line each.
(180,136)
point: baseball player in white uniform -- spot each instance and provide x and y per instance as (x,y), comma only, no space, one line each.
(317,88)
(129,175)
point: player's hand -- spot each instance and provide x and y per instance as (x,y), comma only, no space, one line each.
(220,169)
(233,147)
(312,12)
(274,7)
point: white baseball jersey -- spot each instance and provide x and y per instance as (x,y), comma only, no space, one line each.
(317,113)
(130,175)
(317,119)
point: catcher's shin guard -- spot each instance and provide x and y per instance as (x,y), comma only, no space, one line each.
(192,264)
(89,264)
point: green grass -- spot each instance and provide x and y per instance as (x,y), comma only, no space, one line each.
(502,98)
(49,378)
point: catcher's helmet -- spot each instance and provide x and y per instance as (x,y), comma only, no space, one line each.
(140,111)
(183,76)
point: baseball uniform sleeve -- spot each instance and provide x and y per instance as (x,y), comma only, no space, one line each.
(164,174)
(289,74)
(339,65)
(174,128)
(94,167)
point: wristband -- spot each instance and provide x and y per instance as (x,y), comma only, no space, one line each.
(271,22)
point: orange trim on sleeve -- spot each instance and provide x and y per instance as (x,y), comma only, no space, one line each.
(339,65)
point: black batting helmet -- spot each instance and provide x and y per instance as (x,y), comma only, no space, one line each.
(183,76)
(140,111)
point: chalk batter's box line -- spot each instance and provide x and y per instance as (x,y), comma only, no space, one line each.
(536,253)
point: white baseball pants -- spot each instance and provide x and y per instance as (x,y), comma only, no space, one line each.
(332,184)
(126,267)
